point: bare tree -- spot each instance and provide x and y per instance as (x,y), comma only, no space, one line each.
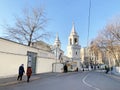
(114,28)
(111,35)
(109,40)
(95,51)
(28,28)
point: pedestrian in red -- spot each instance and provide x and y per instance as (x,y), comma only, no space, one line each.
(29,72)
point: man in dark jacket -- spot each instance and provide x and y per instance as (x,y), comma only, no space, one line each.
(65,68)
(21,71)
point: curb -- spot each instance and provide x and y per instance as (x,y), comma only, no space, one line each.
(18,82)
(34,78)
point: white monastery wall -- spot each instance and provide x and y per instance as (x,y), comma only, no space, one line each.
(12,55)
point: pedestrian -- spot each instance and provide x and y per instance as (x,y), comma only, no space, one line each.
(107,69)
(83,69)
(65,68)
(76,69)
(21,71)
(29,72)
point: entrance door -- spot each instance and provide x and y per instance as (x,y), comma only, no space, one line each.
(32,57)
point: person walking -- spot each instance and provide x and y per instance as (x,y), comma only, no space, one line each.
(65,68)
(28,73)
(21,71)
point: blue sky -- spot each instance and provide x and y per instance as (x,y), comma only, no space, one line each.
(62,13)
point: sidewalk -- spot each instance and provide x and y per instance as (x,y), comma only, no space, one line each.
(13,80)
(113,75)
(116,76)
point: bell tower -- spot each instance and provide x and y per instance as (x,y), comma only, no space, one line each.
(73,48)
(73,38)
(57,42)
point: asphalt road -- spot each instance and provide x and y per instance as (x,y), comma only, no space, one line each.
(71,81)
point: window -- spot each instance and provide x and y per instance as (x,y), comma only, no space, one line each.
(58,45)
(76,53)
(70,41)
(75,40)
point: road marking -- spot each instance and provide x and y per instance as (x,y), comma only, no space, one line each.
(87,84)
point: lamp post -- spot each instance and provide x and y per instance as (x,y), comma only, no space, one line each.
(56,57)
(54,49)
(110,64)
(57,54)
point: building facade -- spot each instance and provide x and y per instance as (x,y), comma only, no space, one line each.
(83,54)
(88,57)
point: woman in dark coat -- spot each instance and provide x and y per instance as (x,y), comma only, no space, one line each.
(29,72)
(21,71)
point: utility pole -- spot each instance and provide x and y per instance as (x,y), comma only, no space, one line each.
(89,13)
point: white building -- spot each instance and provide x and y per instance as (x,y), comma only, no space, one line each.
(41,45)
(13,54)
(83,54)
(73,48)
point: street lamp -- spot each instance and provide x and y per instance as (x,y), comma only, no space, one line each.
(71,59)
(56,49)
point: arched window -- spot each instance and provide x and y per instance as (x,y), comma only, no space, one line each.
(75,41)
(76,52)
(58,45)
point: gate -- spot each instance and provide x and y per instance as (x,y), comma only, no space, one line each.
(32,58)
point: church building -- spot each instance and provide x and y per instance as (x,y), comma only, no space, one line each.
(56,49)
(73,48)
